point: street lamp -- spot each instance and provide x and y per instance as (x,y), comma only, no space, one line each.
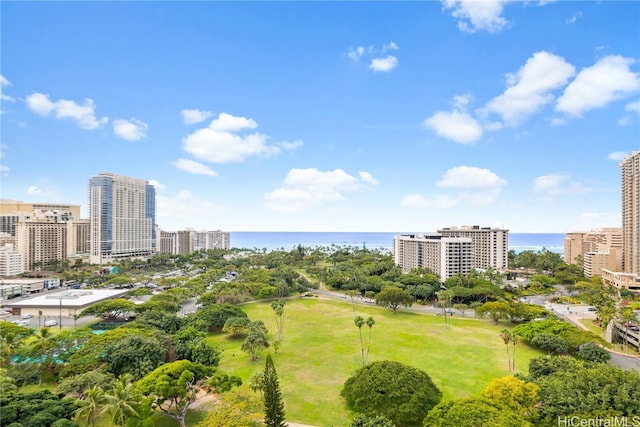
(60,321)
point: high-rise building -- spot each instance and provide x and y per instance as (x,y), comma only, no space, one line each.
(597,250)
(122,218)
(41,240)
(490,245)
(445,256)
(630,168)
(11,261)
(211,240)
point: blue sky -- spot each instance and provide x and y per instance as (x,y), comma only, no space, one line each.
(327,116)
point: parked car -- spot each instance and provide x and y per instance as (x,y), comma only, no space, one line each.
(27,316)
(50,323)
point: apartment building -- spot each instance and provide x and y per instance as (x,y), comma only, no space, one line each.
(630,171)
(490,245)
(445,256)
(42,239)
(11,261)
(122,218)
(15,207)
(597,250)
(187,241)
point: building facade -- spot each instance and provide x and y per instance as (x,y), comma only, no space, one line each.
(205,240)
(490,245)
(11,261)
(630,170)
(122,218)
(42,240)
(445,256)
(596,250)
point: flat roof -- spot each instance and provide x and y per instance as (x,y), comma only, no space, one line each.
(24,281)
(69,298)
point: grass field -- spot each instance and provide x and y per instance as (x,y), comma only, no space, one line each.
(321,349)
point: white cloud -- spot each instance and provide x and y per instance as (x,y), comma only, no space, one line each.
(84,115)
(617,155)
(633,107)
(43,193)
(356,53)
(608,80)
(474,15)
(158,185)
(304,188)
(194,167)
(195,116)
(224,141)
(419,201)
(475,186)
(131,130)
(4,168)
(598,220)
(172,211)
(4,82)
(470,177)
(530,88)
(389,46)
(384,65)
(457,126)
(557,184)
(573,18)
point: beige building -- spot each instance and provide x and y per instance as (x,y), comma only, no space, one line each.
(211,240)
(598,249)
(8,207)
(490,245)
(619,280)
(445,256)
(630,169)
(42,240)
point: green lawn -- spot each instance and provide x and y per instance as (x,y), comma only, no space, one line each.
(321,349)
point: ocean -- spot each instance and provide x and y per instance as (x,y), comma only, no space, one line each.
(288,240)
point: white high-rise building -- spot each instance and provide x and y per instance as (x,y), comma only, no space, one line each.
(490,245)
(630,168)
(122,218)
(445,256)
(11,261)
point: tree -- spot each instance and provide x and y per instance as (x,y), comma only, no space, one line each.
(514,393)
(473,412)
(373,421)
(506,335)
(626,315)
(497,310)
(370,322)
(235,409)
(400,392)
(553,344)
(444,298)
(41,408)
(91,406)
(135,354)
(255,343)
(122,400)
(273,404)
(393,297)
(236,326)
(593,353)
(278,308)
(174,386)
(359,322)
(110,310)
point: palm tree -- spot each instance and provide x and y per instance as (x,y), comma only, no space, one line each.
(626,316)
(43,335)
(506,335)
(91,406)
(122,400)
(370,322)
(359,321)
(9,343)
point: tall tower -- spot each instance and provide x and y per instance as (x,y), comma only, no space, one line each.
(630,168)
(122,218)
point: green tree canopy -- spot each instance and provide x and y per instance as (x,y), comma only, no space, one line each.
(402,393)
(473,412)
(393,297)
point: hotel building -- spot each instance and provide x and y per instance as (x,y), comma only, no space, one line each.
(490,245)
(445,256)
(630,168)
(122,218)
(598,250)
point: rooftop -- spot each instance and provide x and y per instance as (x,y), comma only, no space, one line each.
(69,298)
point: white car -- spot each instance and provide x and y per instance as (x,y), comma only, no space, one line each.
(27,316)
(51,323)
